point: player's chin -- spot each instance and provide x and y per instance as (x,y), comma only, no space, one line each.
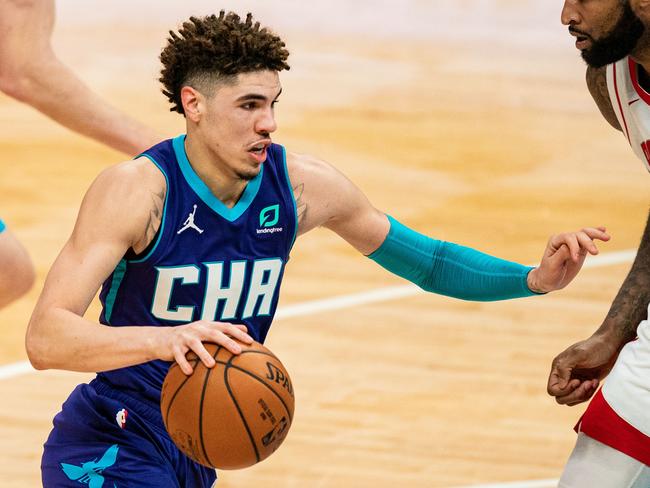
(249,172)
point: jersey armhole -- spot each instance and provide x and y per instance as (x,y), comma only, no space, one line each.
(291,196)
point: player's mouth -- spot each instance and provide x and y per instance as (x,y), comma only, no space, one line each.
(583,41)
(259,149)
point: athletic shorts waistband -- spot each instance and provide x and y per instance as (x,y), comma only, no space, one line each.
(602,423)
(148,410)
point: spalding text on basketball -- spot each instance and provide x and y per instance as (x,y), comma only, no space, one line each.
(277,375)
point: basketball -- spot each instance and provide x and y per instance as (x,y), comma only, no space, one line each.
(233,415)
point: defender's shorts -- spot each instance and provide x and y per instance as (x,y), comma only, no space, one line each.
(602,423)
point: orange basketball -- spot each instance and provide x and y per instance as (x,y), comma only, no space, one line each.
(233,415)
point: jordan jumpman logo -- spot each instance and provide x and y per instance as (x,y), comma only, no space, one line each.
(189,223)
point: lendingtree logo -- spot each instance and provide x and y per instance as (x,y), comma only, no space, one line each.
(270,215)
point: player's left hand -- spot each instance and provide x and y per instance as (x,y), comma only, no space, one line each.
(564,255)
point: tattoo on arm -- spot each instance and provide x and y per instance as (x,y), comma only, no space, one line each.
(631,304)
(301,205)
(155,216)
(597,84)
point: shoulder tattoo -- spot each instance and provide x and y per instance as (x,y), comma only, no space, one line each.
(155,215)
(597,84)
(301,205)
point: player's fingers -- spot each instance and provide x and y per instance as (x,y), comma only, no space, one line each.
(235,331)
(241,327)
(179,356)
(226,341)
(584,393)
(571,241)
(599,233)
(581,394)
(586,243)
(206,358)
(559,378)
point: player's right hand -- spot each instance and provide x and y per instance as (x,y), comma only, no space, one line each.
(577,371)
(177,341)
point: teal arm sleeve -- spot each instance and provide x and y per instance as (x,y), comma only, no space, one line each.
(2,225)
(449,269)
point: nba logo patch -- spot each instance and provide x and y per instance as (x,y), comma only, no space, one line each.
(120,418)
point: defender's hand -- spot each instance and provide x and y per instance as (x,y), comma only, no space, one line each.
(576,372)
(564,255)
(176,342)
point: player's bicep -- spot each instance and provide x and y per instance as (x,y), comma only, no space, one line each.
(356,220)
(107,225)
(76,275)
(328,198)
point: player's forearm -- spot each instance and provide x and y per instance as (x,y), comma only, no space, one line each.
(631,303)
(56,91)
(60,339)
(449,269)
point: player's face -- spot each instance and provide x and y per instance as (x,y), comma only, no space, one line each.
(606,30)
(240,119)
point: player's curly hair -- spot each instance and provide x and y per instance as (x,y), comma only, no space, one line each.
(215,48)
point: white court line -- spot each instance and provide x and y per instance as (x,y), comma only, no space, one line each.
(346,301)
(401,291)
(519,484)
(15,369)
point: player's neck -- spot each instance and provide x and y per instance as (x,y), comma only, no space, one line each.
(221,181)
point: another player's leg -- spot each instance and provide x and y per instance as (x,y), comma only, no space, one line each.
(593,463)
(16,269)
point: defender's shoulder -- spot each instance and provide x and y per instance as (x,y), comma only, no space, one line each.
(597,84)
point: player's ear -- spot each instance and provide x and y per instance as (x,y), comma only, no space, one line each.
(192,103)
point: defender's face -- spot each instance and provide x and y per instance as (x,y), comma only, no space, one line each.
(605,30)
(239,120)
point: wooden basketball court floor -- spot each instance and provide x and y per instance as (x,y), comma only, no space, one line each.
(468,121)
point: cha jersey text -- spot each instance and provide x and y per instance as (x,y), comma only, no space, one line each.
(261,288)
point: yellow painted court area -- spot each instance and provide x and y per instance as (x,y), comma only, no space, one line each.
(468,121)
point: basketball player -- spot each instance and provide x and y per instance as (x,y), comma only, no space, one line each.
(190,241)
(16,269)
(613,446)
(31,73)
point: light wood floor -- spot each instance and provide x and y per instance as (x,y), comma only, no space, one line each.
(468,121)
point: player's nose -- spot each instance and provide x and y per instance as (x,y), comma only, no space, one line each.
(266,123)
(570,14)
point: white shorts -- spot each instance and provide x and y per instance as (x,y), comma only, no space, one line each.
(627,388)
(593,464)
